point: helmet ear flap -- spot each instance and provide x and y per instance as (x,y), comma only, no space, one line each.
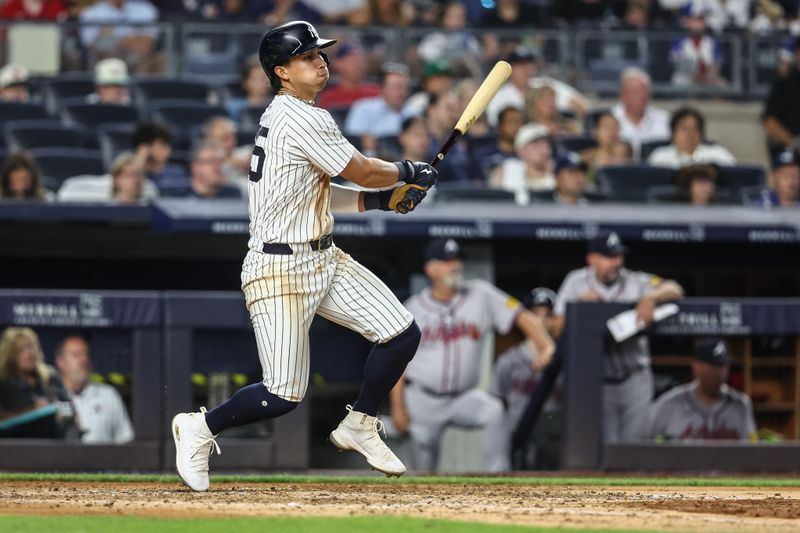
(325,57)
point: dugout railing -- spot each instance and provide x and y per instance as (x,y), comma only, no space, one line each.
(582,349)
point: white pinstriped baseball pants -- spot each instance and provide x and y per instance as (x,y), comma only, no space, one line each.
(283,292)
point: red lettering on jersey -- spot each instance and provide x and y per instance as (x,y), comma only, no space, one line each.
(450,333)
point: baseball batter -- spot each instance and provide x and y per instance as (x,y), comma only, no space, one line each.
(628,379)
(439,387)
(293,270)
(706,408)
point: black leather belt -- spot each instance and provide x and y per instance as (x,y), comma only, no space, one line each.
(431,392)
(279,248)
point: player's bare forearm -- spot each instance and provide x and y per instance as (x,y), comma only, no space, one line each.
(778,131)
(400,417)
(667,291)
(370,172)
(535,331)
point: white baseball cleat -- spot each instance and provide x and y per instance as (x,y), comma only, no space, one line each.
(193,445)
(359,432)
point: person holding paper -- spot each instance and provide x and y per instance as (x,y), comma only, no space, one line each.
(628,378)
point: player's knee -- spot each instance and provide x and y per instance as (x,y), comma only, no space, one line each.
(406,343)
(491,411)
(279,404)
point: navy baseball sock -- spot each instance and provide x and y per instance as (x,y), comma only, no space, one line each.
(385,364)
(249,404)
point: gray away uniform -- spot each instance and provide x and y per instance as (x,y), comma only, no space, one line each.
(680,415)
(443,376)
(627,377)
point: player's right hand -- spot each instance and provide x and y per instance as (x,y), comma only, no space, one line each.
(401,420)
(418,173)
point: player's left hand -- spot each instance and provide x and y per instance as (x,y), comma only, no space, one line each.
(644,310)
(406,197)
(417,173)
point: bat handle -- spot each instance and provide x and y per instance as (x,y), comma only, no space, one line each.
(451,141)
(437,159)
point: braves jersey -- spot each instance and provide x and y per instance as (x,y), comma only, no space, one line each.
(297,149)
(514,380)
(680,415)
(625,358)
(448,359)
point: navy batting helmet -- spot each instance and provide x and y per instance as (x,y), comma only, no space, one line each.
(287,40)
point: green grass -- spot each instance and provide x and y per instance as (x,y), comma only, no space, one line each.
(361,524)
(432,480)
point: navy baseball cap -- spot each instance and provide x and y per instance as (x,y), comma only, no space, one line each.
(713,352)
(570,160)
(443,250)
(542,296)
(788,157)
(606,243)
(522,54)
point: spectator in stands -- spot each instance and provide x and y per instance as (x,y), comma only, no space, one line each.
(414,141)
(440,117)
(696,57)
(508,124)
(437,78)
(14,83)
(628,377)
(639,122)
(782,111)
(27,384)
(688,134)
(541,108)
(511,14)
(126,184)
(208,179)
(454,45)
(532,169)
(350,66)
(570,188)
(152,144)
(573,10)
(390,13)
(114,38)
(255,86)
(636,15)
(722,15)
(236,166)
(20,179)
(697,185)
(111,82)
(610,150)
(706,408)
(101,413)
(380,116)
(33,10)
(785,178)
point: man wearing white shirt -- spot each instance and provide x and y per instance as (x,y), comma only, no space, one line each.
(639,122)
(100,410)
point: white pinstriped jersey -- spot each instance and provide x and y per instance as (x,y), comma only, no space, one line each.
(297,150)
(449,356)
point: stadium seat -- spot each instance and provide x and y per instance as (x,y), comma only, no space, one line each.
(147,92)
(630,182)
(57,90)
(228,91)
(182,115)
(251,116)
(456,192)
(649,146)
(51,136)
(115,139)
(577,143)
(591,118)
(93,115)
(740,177)
(753,195)
(662,194)
(58,164)
(21,111)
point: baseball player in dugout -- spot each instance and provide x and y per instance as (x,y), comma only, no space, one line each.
(706,408)
(293,269)
(439,387)
(628,378)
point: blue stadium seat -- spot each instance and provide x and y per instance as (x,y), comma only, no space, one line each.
(182,115)
(48,136)
(456,192)
(251,116)
(58,164)
(149,91)
(115,139)
(93,115)
(630,182)
(58,90)
(650,146)
(21,111)
(742,176)
(591,117)
(577,143)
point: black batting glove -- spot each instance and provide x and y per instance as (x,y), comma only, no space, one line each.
(417,173)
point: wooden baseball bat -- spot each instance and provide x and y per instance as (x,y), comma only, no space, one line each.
(475,108)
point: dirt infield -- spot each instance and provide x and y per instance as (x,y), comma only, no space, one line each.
(644,508)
